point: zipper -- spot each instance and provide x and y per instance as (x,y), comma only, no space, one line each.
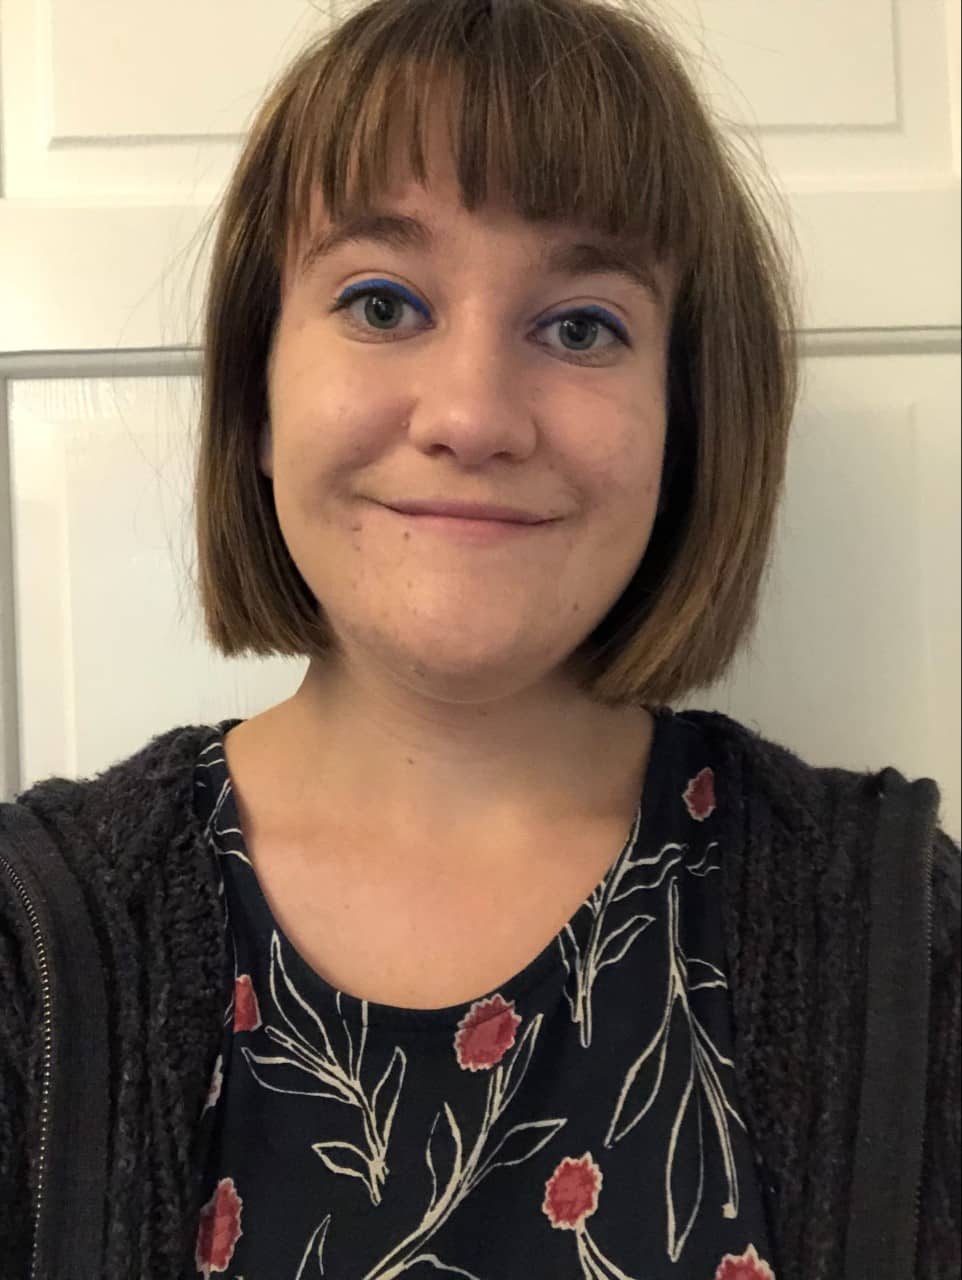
(47,1059)
(929,914)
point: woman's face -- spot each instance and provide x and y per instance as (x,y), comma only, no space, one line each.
(465,384)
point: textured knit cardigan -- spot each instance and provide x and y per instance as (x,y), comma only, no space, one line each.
(798,894)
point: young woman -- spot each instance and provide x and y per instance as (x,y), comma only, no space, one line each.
(473,957)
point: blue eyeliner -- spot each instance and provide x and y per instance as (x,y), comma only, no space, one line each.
(591,312)
(594,312)
(389,286)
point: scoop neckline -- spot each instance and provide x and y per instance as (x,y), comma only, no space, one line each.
(525,983)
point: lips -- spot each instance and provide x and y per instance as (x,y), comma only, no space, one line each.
(469,531)
(468,511)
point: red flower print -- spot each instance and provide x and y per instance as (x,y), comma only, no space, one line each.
(571,1193)
(485,1033)
(219,1230)
(700,795)
(247,1014)
(748,1267)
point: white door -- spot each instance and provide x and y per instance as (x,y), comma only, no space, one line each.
(118,132)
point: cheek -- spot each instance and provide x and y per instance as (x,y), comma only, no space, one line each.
(625,474)
(626,493)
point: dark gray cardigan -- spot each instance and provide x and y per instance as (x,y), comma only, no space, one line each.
(842,931)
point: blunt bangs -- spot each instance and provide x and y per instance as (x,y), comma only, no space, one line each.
(538,114)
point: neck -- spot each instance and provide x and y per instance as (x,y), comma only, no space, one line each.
(449,770)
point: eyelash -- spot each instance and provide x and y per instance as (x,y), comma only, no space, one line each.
(354,292)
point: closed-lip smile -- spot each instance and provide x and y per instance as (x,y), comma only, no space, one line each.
(467,511)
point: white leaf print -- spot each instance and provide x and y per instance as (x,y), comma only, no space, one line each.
(515,1071)
(679,1022)
(277,963)
(303,1054)
(682,1139)
(232,853)
(285,1065)
(433,1146)
(353,1068)
(586,968)
(391,1093)
(434,1261)
(633,928)
(513,1149)
(594,1264)
(362,1171)
(589,1268)
(720,980)
(322,1232)
(315,1058)
(652,884)
(704,867)
(638,1088)
(718,1104)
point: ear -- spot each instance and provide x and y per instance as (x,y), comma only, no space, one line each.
(265,450)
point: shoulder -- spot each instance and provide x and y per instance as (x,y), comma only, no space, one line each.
(144,792)
(132,842)
(155,771)
(762,765)
(122,829)
(767,784)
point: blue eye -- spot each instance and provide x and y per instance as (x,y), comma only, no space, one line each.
(370,289)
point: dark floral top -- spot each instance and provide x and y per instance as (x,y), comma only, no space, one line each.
(580,1121)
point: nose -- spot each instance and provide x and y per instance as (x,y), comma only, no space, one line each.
(471,405)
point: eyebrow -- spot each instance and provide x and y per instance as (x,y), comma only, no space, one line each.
(402,231)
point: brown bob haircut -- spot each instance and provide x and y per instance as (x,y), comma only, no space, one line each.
(593,117)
